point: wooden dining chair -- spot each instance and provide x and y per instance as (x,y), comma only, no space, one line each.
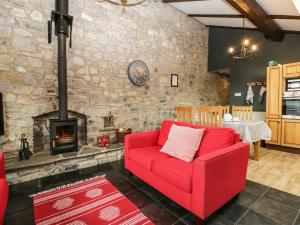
(185,114)
(225,109)
(242,112)
(210,116)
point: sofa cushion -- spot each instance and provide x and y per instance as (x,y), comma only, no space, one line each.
(174,171)
(165,129)
(146,156)
(216,138)
(183,142)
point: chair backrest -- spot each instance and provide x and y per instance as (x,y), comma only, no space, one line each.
(225,109)
(210,116)
(242,112)
(185,114)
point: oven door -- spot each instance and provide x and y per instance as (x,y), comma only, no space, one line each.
(291,108)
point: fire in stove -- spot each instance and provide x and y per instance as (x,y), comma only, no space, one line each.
(63,135)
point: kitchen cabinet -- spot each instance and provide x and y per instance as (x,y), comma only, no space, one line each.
(290,135)
(275,126)
(285,132)
(274,92)
(291,70)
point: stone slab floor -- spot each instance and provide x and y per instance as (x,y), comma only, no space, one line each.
(277,169)
(256,205)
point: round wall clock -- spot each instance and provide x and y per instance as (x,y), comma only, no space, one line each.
(138,72)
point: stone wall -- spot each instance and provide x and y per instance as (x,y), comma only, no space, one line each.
(106,38)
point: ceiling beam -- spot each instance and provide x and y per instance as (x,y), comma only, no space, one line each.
(257,15)
(235,28)
(216,15)
(283,17)
(252,28)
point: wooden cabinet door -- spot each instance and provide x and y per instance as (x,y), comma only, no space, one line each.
(291,70)
(290,135)
(275,125)
(274,92)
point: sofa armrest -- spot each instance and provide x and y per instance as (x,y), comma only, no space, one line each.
(2,165)
(139,140)
(217,177)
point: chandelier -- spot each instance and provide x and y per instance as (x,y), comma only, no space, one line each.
(124,2)
(247,51)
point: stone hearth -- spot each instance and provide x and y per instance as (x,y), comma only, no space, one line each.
(43,164)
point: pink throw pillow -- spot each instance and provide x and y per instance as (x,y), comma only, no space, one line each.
(183,142)
(166,127)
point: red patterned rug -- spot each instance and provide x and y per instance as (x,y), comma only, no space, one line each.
(95,201)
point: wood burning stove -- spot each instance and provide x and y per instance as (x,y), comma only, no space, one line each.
(63,131)
(63,135)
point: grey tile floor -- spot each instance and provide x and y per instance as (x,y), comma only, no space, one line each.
(256,205)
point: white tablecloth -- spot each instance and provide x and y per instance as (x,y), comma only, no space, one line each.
(251,131)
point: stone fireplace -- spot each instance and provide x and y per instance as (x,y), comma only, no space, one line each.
(41,130)
(105,41)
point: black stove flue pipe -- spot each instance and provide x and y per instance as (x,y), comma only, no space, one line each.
(62,24)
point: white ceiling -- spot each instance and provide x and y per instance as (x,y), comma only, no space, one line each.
(227,22)
(272,7)
(205,7)
(278,7)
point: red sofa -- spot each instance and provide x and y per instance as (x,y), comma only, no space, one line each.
(3,189)
(216,175)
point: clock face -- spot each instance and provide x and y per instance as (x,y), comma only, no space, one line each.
(138,72)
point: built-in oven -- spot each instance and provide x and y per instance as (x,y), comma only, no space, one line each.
(291,105)
(293,85)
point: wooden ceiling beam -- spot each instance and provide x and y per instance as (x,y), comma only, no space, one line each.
(235,28)
(216,15)
(283,17)
(257,15)
(252,28)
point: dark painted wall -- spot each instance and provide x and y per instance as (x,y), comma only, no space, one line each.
(220,39)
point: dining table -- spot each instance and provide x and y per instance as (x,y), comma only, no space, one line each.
(251,132)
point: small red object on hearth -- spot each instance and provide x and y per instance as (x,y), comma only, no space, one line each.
(103,141)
